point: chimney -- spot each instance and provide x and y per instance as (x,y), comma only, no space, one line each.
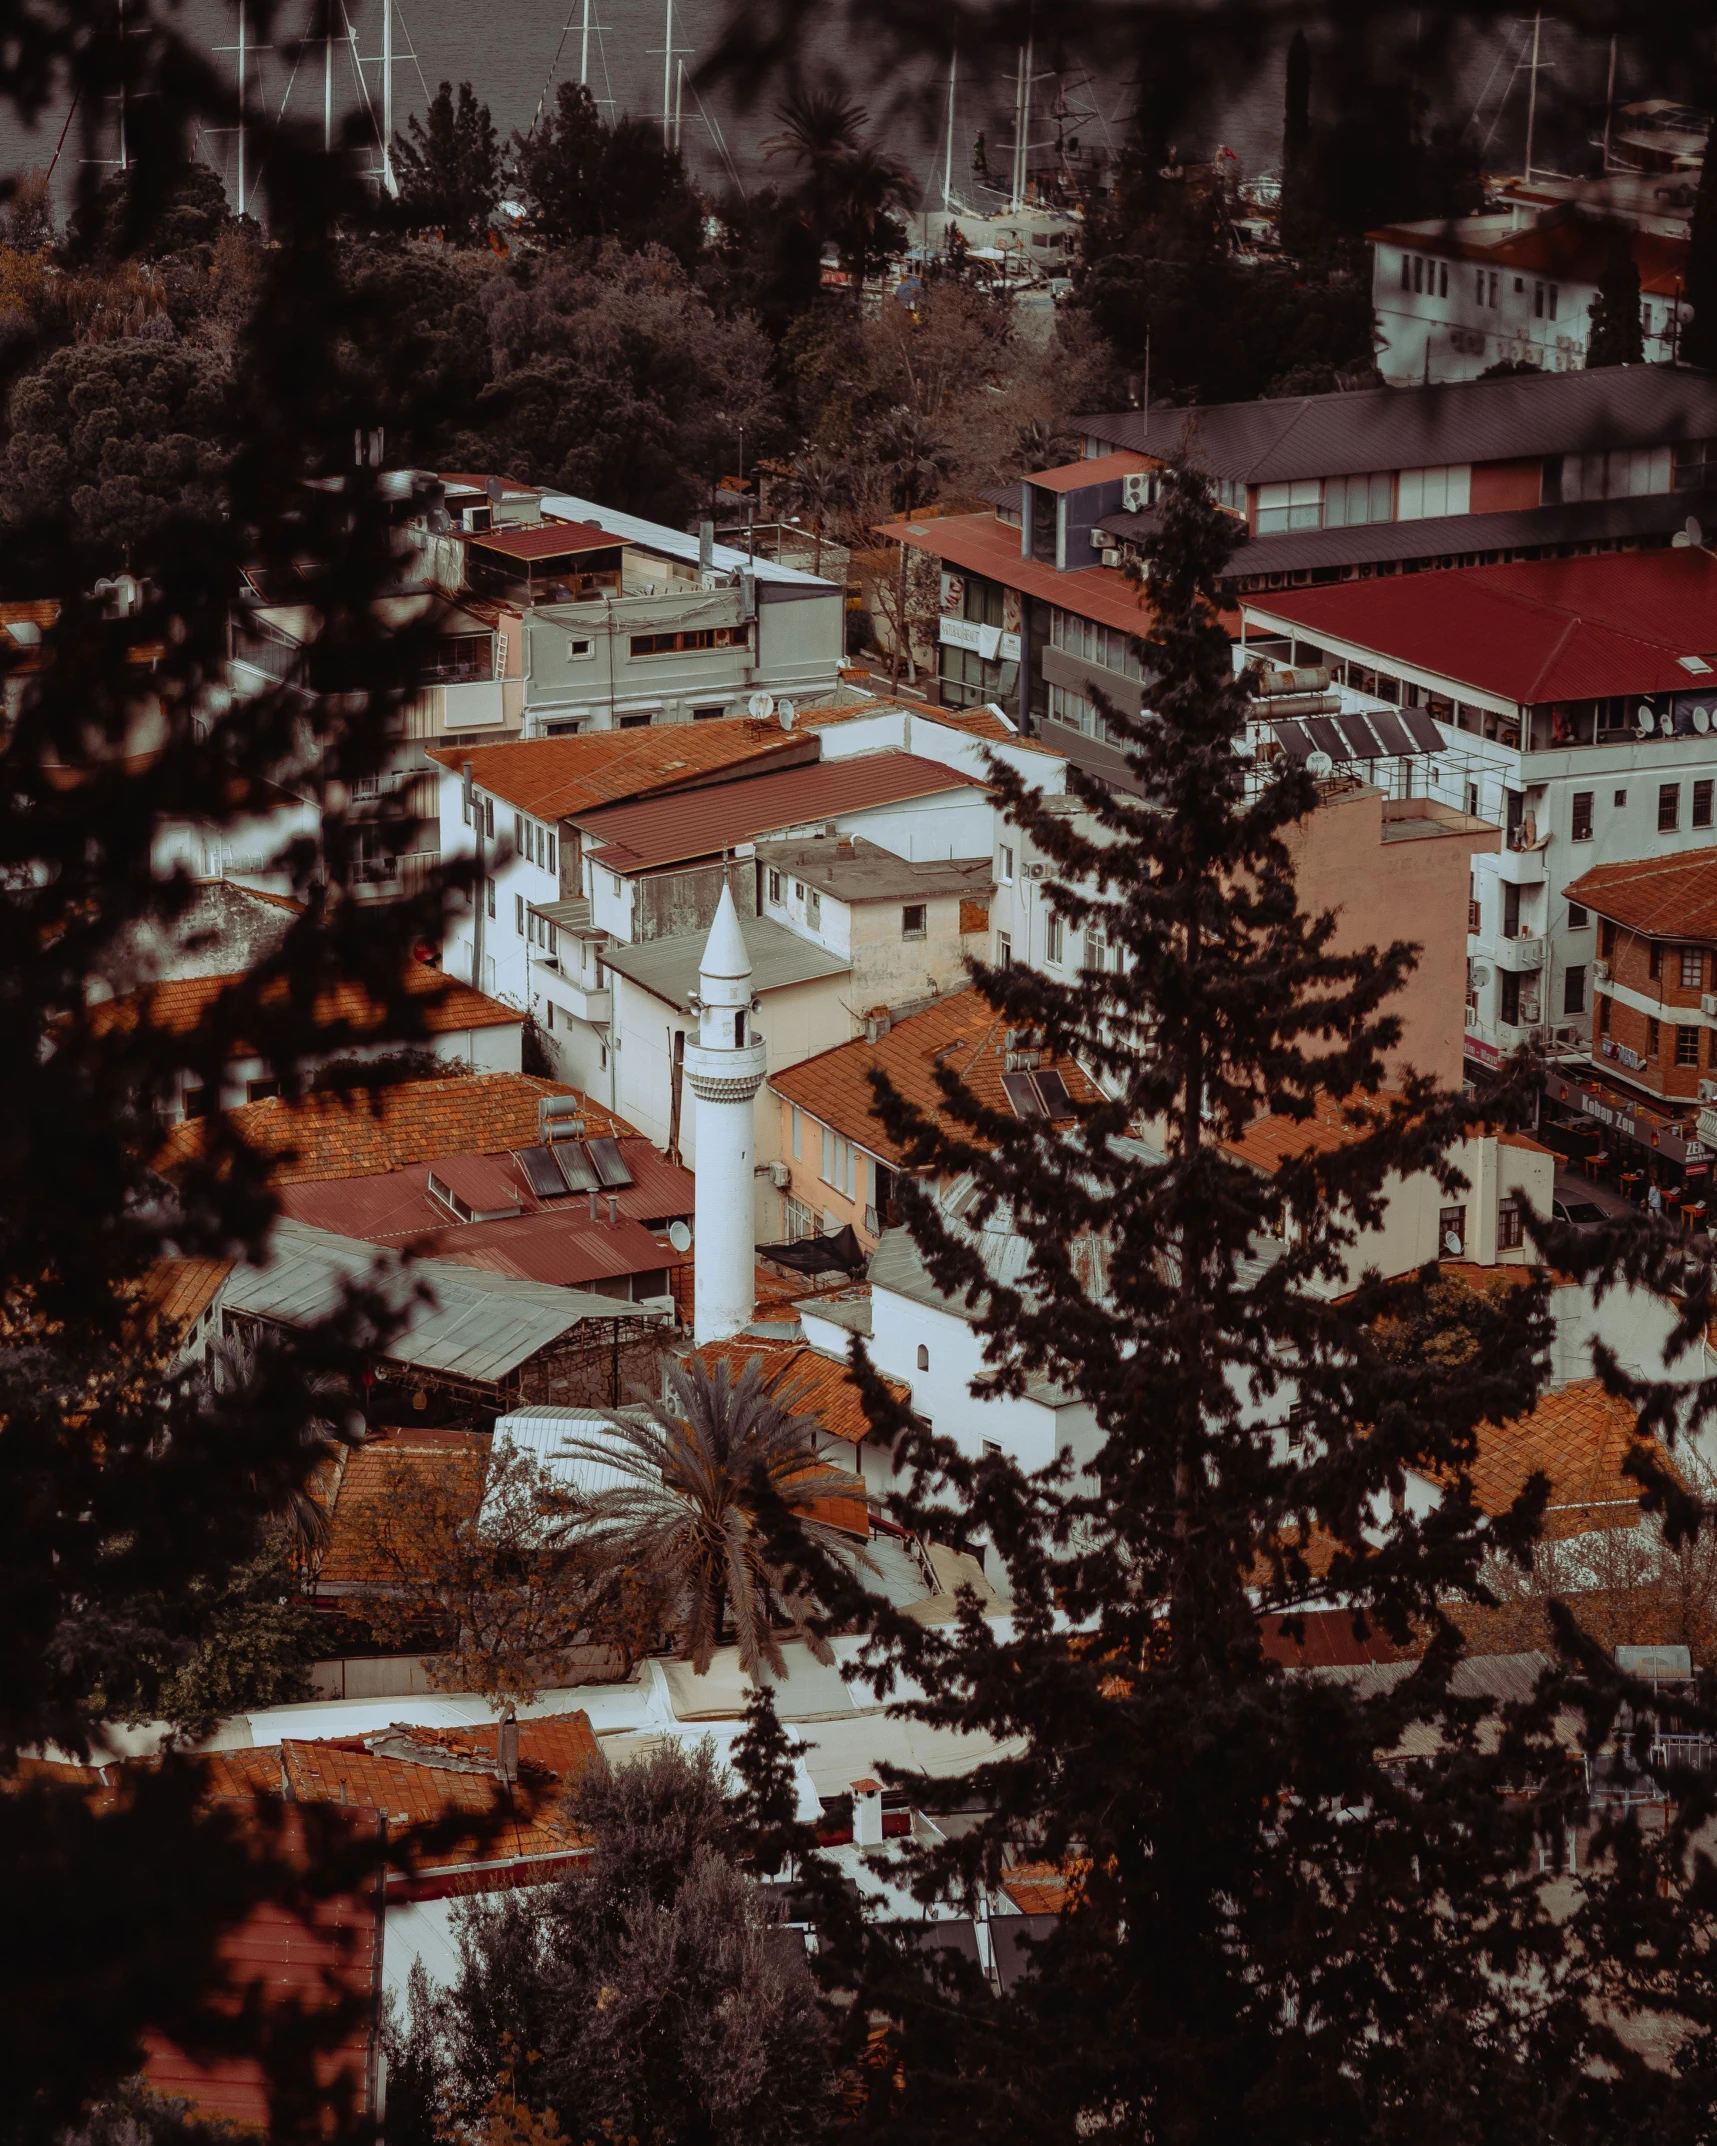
(877,1024)
(706,547)
(614,1210)
(591,1196)
(507,1746)
(867,1814)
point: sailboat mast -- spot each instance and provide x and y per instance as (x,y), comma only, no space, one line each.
(1022,128)
(328,77)
(948,152)
(668,71)
(241,75)
(1532,95)
(387,97)
(679,99)
(1609,103)
(584,49)
(124,153)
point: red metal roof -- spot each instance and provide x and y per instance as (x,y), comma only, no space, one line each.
(982,545)
(558,541)
(1665,897)
(1574,249)
(1098,469)
(699,823)
(567,1249)
(1540,630)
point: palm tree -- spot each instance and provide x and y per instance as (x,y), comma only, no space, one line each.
(707,1468)
(814,485)
(848,188)
(915,460)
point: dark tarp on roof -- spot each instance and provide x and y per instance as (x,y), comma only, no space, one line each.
(818,1255)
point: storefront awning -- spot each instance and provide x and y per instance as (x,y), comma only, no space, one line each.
(1674,1139)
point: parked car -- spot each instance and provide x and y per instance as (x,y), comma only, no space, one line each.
(1580,1214)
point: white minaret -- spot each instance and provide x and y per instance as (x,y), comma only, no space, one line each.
(724,1069)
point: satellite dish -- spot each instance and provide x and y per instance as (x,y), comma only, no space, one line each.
(1452,1244)
(495,489)
(440,521)
(1702,720)
(1647,721)
(680,1236)
(1481,977)
(786,711)
(1319,765)
(761,705)
(1692,531)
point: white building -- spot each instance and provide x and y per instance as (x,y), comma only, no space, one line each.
(1514,286)
(1573,702)
(724,1070)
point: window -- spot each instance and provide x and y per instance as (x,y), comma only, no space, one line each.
(1406,271)
(1005,953)
(923,1357)
(1574,990)
(1418,272)
(1686,1046)
(1582,828)
(1452,1232)
(1510,1227)
(1350,502)
(1692,968)
(1578,918)
(1298,505)
(552,847)
(1620,800)
(489,896)
(798,1134)
(1702,804)
(549,1003)
(1054,943)
(1604,1017)
(674,644)
(1653,1037)
(635,722)
(465,805)
(1654,962)
(775,886)
(489,817)
(519,914)
(519,832)
(260,1091)
(739,1031)
(1668,807)
(840,1165)
(1510,1000)
(813,908)
(200,1102)
(1005,872)
(913,923)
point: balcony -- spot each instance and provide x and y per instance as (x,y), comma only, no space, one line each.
(1518,866)
(1522,955)
(596,1007)
(468,707)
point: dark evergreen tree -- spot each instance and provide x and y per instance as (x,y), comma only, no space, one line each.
(1275,1924)
(1698,340)
(1297,212)
(449,170)
(583,178)
(1618,333)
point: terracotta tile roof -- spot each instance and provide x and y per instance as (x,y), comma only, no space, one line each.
(177,1008)
(365,1484)
(1044,1888)
(962,1033)
(175,1293)
(983,545)
(1579,1436)
(552,777)
(847,706)
(328,1135)
(1275,1138)
(672,830)
(814,1384)
(1666,897)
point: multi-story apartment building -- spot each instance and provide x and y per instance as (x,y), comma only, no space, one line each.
(1655,975)
(1572,701)
(1514,285)
(1347,487)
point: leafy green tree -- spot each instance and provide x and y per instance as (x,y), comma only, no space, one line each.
(151,212)
(586,179)
(848,189)
(814,486)
(449,170)
(127,436)
(1270,1919)
(1618,334)
(715,1470)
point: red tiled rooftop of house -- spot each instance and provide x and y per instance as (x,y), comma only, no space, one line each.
(445,1006)
(552,777)
(1665,897)
(1579,1437)
(362,1495)
(962,1034)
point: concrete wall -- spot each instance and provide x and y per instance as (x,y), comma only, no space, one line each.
(1392,869)
(903,730)
(1497,1169)
(888,968)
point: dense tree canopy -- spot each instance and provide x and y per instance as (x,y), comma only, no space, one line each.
(449,167)
(583,177)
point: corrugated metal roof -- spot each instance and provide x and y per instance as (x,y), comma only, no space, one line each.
(481,1326)
(1077,476)
(555,540)
(550,1435)
(1452,536)
(701,823)
(554,778)
(1426,427)
(565,1248)
(1539,630)
(677,543)
(668,968)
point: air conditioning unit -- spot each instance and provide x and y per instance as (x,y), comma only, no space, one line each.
(1037,870)
(780,1175)
(1136,490)
(1708,1002)
(1708,1091)
(1111,557)
(1601,970)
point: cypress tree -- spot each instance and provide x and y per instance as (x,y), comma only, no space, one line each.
(1277,1926)
(1297,213)
(1698,340)
(1618,336)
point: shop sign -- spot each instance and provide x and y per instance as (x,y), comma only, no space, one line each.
(962,633)
(1010,647)
(1487,1054)
(1643,1127)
